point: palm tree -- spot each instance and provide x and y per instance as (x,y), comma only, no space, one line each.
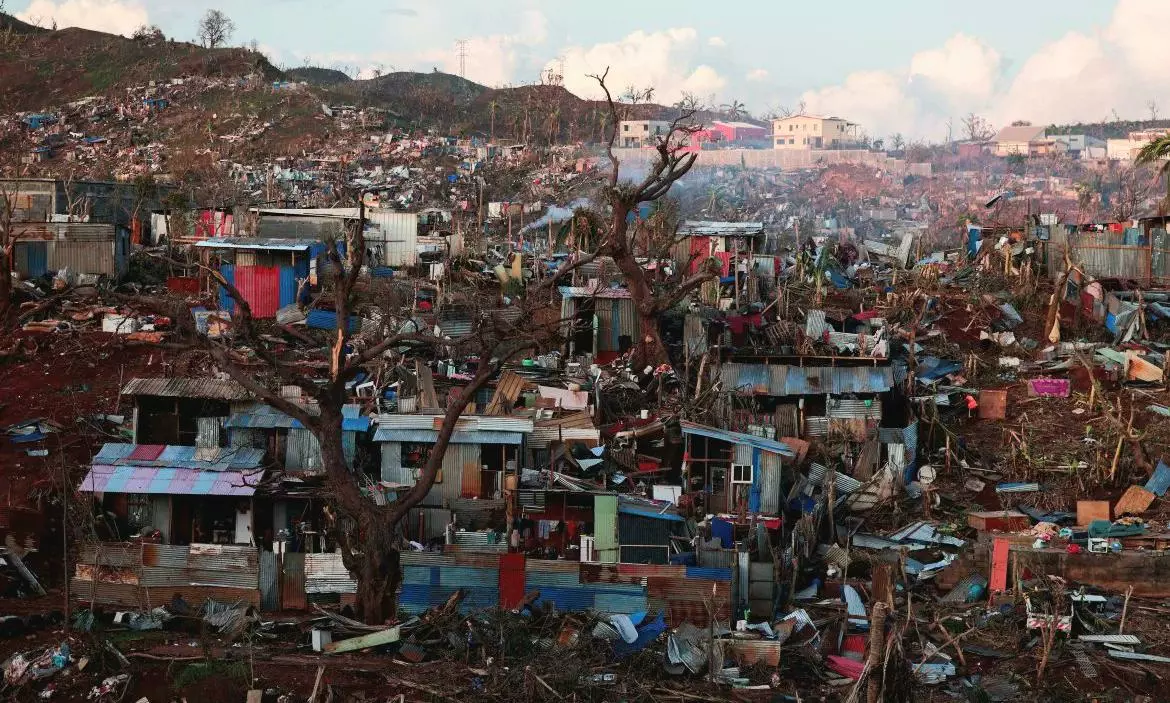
(735,110)
(1155,151)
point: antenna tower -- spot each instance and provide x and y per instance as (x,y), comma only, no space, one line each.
(461,45)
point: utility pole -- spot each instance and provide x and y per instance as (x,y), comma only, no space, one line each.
(461,46)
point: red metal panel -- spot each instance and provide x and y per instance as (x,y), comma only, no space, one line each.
(512,582)
(725,258)
(999,565)
(700,252)
(260,286)
(146,452)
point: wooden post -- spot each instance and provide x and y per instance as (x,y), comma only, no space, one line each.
(877,652)
(1124,611)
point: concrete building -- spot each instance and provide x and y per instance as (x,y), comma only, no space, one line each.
(639,133)
(811,132)
(1127,149)
(1077,144)
(737,131)
(1025,140)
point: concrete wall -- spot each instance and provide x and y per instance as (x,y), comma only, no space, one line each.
(784,159)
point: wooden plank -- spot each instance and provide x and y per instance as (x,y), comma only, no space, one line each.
(508,390)
(1090,510)
(426,385)
(1135,501)
(999,521)
(374,639)
(999,564)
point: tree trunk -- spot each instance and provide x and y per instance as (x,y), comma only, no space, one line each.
(380,577)
(370,552)
(5,286)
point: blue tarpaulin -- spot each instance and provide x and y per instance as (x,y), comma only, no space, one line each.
(647,633)
(1159,483)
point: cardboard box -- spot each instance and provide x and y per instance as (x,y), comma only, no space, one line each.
(1090,510)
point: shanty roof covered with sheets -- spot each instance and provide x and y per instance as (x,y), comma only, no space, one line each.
(174,470)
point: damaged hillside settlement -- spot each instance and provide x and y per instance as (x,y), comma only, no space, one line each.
(698,414)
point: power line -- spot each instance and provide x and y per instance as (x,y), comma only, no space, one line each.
(461,45)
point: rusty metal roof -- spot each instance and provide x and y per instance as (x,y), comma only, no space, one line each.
(210,388)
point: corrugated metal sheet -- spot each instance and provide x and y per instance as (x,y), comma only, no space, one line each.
(392,237)
(162,570)
(111,554)
(210,388)
(770,475)
(783,380)
(260,287)
(692,228)
(605,528)
(84,257)
(288,285)
(303,452)
(844,482)
(625,322)
(207,431)
(762,443)
(176,481)
(395,421)
(269,582)
(787,419)
(292,584)
(32,259)
(458,437)
(326,573)
(815,324)
(854,409)
(327,320)
(458,460)
(225,299)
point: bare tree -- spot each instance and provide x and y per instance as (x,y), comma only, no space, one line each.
(9,197)
(976,128)
(215,29)
(672,163)
(368,533)
(1131,191)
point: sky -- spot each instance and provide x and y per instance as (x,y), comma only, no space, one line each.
(912,67)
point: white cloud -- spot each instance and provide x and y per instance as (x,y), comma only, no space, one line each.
(667,60)
(113,16)
(1078,77)
(757,75)
(717,42)
(492,60)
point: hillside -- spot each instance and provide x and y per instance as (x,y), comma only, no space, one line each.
(8,23)
(1115,129)
(317,76)
(42,68)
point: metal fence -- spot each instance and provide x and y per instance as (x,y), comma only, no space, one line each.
(1103,255)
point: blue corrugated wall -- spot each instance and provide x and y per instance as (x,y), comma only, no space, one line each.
(288,286)
(228,271)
